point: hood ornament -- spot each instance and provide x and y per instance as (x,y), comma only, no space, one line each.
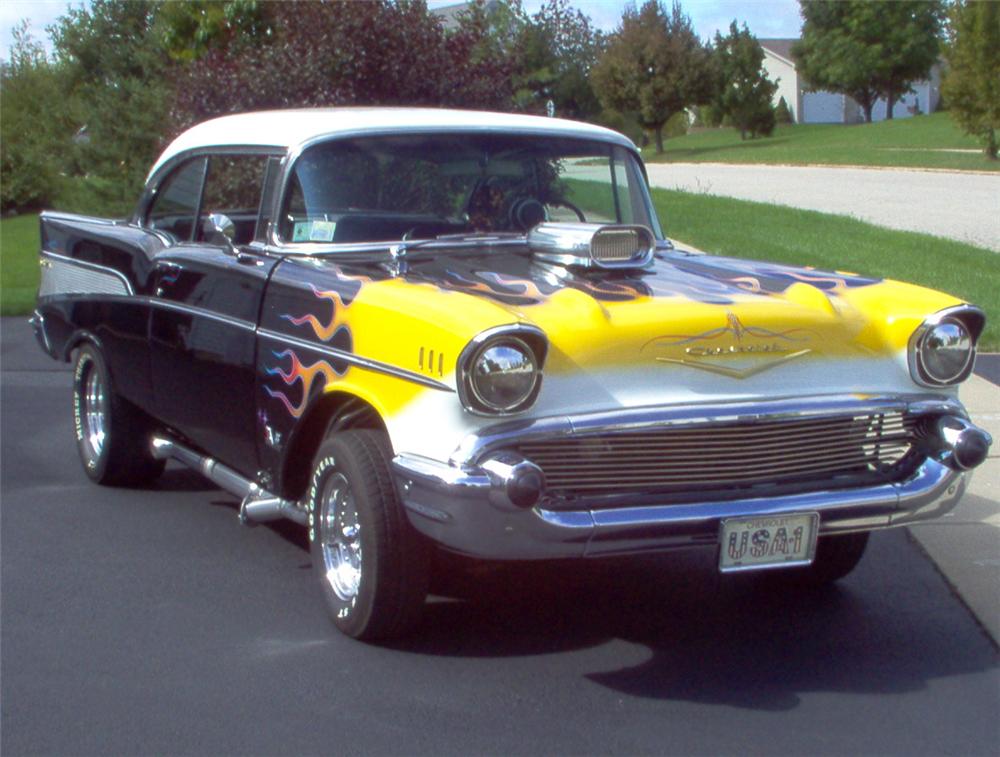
(767,349)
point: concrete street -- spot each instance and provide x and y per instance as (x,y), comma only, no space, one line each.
(958,205)
(150,622)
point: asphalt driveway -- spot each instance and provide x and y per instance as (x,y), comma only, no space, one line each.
(959,205)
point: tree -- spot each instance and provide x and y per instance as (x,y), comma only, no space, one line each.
(115,79)
(188,28)
(655,66)
(866,49)
(347,53)
(745,94)
(911,45)
(972,83)
(557,49)
(782,114)
(34,122)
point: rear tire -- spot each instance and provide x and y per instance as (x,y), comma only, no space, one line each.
(112,436)
(371,564)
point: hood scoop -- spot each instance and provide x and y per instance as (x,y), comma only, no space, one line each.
(592,245)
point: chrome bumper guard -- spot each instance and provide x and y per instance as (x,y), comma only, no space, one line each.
(465,505)
(37,323)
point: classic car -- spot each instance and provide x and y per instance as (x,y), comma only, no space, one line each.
(415,329)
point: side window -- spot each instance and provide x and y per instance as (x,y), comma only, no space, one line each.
(233,189)
(175,206)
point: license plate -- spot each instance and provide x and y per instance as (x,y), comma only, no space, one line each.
(767,541)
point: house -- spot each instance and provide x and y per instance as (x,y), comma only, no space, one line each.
(450,14)
(823,107)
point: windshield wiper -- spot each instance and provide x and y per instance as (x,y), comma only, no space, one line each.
(399,252)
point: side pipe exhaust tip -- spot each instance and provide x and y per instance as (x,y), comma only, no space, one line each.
(257,505)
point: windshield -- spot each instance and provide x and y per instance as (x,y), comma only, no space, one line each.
(383,189)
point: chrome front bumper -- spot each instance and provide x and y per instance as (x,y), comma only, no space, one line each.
(461,504)
(454,508)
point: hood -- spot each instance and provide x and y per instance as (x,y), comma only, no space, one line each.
(727,315)
(684,328)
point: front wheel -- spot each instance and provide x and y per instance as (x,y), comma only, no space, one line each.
(372,565)
(112,436)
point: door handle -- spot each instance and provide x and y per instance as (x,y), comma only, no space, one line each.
(247,259)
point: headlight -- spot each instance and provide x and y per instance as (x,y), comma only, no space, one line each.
(501,372)
(943,349)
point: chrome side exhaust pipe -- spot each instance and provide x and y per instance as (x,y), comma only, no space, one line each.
(962,445)
(257,505)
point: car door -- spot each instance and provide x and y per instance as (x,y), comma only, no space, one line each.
(206,297)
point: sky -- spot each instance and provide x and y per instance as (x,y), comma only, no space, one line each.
(766,18)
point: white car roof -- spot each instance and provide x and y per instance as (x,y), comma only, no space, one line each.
(290,129)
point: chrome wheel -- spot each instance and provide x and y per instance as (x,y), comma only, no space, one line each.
(340,537)
(94,412)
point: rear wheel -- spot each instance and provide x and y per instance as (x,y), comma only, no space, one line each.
(112,437)
(372,565)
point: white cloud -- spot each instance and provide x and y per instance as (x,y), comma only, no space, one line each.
(39,13)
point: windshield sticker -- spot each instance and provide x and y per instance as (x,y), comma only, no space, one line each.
(322,231)
(313,231)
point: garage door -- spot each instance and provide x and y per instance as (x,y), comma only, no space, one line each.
(822,108)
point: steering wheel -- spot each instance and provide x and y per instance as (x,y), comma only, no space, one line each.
(566,204)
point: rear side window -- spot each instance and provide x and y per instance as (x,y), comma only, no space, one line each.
(175,206)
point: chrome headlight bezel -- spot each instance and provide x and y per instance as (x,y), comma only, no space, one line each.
(969,320)
(528,340)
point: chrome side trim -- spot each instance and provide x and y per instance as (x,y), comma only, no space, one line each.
(211,315)
(356,360)
(66,275)
(476,446)
(56,215)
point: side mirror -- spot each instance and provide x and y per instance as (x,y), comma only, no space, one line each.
(219,229)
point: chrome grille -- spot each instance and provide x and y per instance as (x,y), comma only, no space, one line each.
(696,457)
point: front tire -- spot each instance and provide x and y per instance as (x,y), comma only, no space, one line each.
(371,564)
(112,436)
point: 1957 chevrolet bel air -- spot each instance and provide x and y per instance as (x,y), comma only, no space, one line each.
(414,329)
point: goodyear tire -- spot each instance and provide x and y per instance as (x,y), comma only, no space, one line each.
(372,566)
(112,437)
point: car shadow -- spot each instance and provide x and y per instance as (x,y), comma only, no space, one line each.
(181,479)
(754,641)
(751,641)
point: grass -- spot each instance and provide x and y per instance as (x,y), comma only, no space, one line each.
(19,244)
(804,237)
(908,142)
(715,224)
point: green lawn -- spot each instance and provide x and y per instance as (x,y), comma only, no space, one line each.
(714,224)
(18,264)
(907,142)
(805,237)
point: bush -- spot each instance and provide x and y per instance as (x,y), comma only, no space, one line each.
(782,114)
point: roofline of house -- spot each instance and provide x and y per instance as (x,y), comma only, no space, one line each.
(782,58)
